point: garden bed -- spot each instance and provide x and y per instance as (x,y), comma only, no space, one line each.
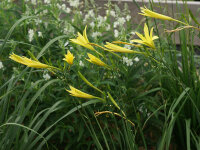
(85,75)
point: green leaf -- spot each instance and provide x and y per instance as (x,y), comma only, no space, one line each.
(49,44)
(12,29)
(193,18)
(32,56)
(114,102)
(88,83)
(188,123)
(64,116)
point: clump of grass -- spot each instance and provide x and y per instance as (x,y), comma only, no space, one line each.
(129,93)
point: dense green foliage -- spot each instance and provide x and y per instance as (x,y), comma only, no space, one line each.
(151,99)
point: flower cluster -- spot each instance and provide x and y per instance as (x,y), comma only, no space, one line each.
(30,35)
(128,62)
(46,76)
(97,58)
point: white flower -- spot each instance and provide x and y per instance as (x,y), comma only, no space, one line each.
(68,10)
(86,17)
(1,65)
(141,108)
(66,43)
(63,6)
(101,20)
(116,23)
(112,77)
(116,33)
(136,59)
(129,62)
(39,34)
(121,20)
(33,2)
(74,3)
(69,29)
(45,11)
(92,24)
(91,13)
(47,1)
(107,27)
(112,13)
(46,76)
(38,21)
(133,33)
(81,63)
(59,6)
(95,34)
(128,17)
(30,35)
(124,59)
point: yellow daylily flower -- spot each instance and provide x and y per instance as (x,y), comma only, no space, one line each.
(116,48)
(28,62)
(146,12)
(69,58)
(108,50)
(96,60)
(82,40)
(77,93)
(147,39)
(126,43)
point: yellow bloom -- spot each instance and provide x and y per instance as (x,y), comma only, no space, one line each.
(96,60)
(82,40)
(108,50)
(69,58)
(116,48)
(126,43)
(77,93)
(149,13)
(146,39)
(28,62)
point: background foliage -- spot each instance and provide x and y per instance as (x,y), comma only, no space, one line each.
(36,112)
